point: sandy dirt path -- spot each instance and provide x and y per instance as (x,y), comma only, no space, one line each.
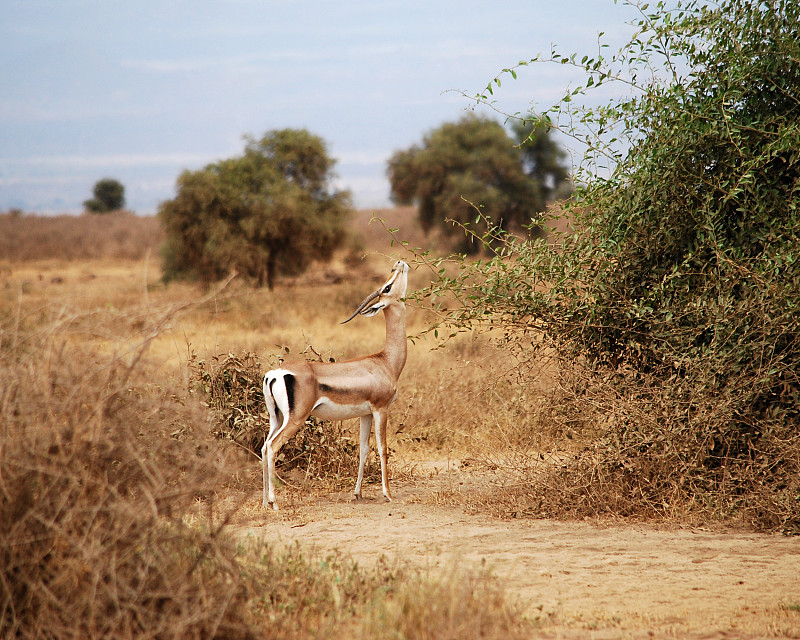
(578,579)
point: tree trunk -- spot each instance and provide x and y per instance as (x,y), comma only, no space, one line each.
(270,268)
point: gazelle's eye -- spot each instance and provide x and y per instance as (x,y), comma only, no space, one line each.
(387,288)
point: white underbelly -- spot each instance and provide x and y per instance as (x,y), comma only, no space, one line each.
(329,410)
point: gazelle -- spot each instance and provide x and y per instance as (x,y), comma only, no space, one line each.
(360,388)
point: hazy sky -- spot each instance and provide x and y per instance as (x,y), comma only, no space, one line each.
(140,91)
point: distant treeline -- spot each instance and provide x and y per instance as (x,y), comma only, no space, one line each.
(126,236)
(121,235)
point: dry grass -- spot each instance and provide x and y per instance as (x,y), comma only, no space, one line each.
(114,495)
(93,490)
(87,237)
(450,604)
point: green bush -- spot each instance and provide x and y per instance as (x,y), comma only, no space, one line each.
(109,195)
(677,295)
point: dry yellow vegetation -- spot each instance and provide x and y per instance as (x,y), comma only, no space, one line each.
(106,446)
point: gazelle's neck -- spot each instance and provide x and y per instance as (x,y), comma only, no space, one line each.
(395,349)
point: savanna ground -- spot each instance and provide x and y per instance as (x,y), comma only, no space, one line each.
(451,546)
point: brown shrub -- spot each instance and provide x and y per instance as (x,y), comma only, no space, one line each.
(324,450)
(93,496)
(625,457)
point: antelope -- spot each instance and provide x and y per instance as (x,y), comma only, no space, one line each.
(359,388)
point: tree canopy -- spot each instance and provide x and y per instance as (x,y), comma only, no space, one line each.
(269,211)
(109,195)
(475,163)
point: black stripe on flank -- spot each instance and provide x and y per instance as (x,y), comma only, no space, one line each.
(289,380)
(326,388)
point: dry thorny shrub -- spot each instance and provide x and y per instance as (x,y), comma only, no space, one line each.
(626,455)
(322,449)
(93,493)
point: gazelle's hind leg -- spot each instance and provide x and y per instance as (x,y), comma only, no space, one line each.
(268,499)
(274,424)
(272,447)
(366,427)
(380,419)
(284,423)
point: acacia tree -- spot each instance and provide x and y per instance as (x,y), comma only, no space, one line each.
(109,195)
(474,162)
(270,211)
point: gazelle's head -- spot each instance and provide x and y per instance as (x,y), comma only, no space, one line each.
(393,291)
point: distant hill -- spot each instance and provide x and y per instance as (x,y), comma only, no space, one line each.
(121,235)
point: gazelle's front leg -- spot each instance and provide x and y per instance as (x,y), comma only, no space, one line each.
(366,427)
(380,419)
